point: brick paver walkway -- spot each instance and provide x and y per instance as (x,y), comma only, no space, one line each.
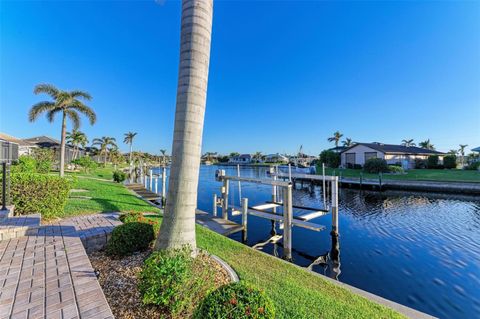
(48,274)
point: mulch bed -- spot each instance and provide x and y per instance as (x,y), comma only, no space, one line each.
(118,278)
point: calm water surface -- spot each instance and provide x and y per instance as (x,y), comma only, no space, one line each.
(420,250)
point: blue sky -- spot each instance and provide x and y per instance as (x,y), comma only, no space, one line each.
(282,73)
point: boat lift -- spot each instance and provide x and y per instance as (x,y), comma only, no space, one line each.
(281,197)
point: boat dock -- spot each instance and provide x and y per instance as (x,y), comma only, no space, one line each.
(387,184)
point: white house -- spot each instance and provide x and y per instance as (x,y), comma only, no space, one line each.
(359,153)
(241,159)
(24,147)
(276,158)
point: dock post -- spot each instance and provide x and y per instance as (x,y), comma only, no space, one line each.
(151,179)
(380,180)
(287,222)
(145,181)
(361,179)
(244,218)
(274,199)
(156,185)
(225,187)
(214,211)
(164,186)
(335,205)
(324,188)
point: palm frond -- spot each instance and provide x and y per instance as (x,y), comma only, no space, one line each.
(39,108)
(51,114)
(80,94)
(48,89)
(85,110)
(73,116)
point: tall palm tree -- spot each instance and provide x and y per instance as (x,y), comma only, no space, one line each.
(178,226)
(427,145)
(453,152)
(348,142)
(66,102)
(335,138)
(408,143)
(129,141)
(461,150)
(106,144)
(77,139)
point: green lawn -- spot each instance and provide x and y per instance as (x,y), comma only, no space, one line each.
(296,293)
(452,175)
(105,197)
(99,172)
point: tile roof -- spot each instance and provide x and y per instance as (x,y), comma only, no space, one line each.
(397,149)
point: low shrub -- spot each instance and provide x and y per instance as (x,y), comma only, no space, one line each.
(239,300)
(130,217)
(86,163)
(25,164)
(44,158)
(330,158)
(450,161)
(395,169)
(176,282)
(432,162)
(420,163)
(473,166)
(39,193)
(375,166)
(129,238)
(119,176)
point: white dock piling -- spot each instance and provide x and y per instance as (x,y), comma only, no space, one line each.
(335,205)
(156,185)
(150,179)
(214,211)
(287,220)
(244,218)
(225,190)
(164,185)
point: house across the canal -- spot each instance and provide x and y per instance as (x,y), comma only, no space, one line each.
(241,159)
(405,156)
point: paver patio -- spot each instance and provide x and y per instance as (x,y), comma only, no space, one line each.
(47,274)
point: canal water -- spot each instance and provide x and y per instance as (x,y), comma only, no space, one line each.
(420,250)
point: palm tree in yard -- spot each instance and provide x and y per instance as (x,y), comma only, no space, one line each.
(408,143)
(427,145)
(348,142)
(178,226)
(69,104)
(105,144)
(129,141)
(257,156)
(461,150)
(335,138)
(77,139)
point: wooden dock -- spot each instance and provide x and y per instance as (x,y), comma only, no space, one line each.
(143,192)
(219,225)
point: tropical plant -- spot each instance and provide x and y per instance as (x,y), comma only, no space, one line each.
(77,139)
(348,142)
(66,102)
(375,166)
(257,156)
(129,141)
(178,226)
(450,161)
(106,144)
(461,150)
(335,138)
(427,145)
(330,158)
(408,143)
(453,152)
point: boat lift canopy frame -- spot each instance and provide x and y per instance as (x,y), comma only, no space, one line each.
(287,218)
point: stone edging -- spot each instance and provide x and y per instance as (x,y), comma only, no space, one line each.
(231,273)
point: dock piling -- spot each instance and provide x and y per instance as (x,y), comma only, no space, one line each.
(214,211)
(244,218)
(287,220)
(225,190)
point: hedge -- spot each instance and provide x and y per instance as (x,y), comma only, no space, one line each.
(38,193)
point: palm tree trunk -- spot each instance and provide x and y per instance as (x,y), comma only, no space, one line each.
(62,145)
(130,160)
(178,226)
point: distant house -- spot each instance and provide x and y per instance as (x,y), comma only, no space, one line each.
(241,159)
(24,147)
(276,158)
(51,143)
(476,149)
(359,153)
